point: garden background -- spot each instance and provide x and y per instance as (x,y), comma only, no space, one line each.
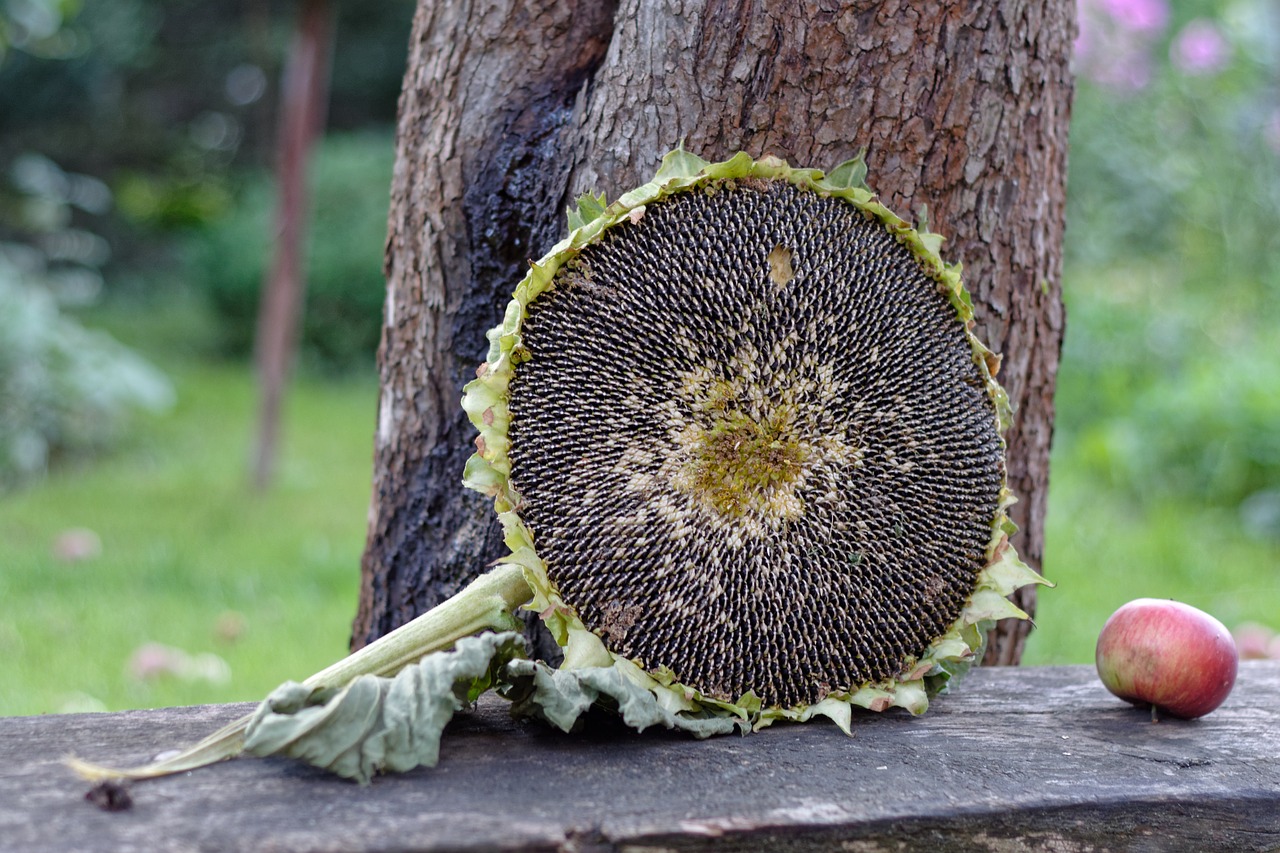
(138,566)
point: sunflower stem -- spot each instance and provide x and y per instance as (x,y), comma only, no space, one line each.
(488,603)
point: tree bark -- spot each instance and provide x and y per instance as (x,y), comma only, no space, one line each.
(510,110)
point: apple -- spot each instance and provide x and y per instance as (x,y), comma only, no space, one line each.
(1168,655)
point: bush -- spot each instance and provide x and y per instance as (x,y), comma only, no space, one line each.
(1177,155)
(342,318)
(1154,406)
(64,389)
(1168,379)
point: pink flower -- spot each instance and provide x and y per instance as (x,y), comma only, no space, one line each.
(1116,38)
(1199,49)
(1139,16)
(76,545)
(153,660)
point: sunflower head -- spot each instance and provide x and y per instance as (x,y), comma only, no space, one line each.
(746,446)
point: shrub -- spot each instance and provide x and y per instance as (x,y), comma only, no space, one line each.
(64,389)
(342,317)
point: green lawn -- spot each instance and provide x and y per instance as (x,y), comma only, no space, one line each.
(190,556)
(1102,551)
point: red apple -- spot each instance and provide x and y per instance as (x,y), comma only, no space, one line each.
(1169,655)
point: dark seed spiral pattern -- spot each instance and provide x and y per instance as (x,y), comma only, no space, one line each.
(753,446)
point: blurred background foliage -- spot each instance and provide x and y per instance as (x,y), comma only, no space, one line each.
(1171,382)
(345,286)
(135,202)
(135,166)
(1166,464)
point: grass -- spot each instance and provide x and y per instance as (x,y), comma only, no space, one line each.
(1155,428)
(190,556)
(1102,550)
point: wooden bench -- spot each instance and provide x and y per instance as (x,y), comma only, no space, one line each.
(1012,759)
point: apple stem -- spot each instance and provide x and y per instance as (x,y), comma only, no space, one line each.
(1155,716)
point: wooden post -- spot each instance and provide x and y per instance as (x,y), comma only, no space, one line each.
(302,107)
(1026,759)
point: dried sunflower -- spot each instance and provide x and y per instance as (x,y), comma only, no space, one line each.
(746,451)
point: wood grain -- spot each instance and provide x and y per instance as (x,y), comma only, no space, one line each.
(1011,760)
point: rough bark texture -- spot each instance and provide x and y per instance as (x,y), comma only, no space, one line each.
(509,113)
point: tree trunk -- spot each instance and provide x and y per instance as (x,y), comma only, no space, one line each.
(303,97)
(510,110)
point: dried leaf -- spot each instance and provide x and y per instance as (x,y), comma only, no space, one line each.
(375,724)
(562,696)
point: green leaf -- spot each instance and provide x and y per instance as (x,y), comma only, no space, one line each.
(851,174)
(590,206)
(932,242)
(562,696)
(679,163)
(375,724)
(990,604)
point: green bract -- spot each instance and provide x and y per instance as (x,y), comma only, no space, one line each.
(487,402)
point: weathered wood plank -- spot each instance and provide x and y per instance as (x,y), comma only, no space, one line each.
(1013,759)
